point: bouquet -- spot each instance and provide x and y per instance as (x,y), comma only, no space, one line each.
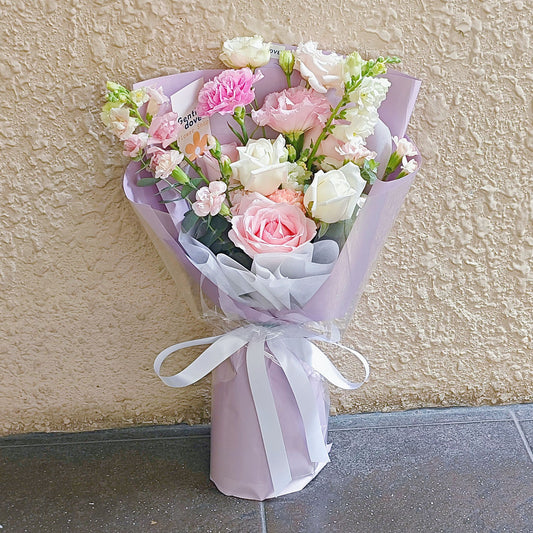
(274,182)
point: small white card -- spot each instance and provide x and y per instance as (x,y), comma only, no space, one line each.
(275,49)
(192,140)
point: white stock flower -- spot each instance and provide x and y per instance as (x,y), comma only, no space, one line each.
(361,123)
(139,96)
(322,71)
(245,52)
(409,166)
(333,195)
(371,92)
(295,177)
(262,165)
(404,147)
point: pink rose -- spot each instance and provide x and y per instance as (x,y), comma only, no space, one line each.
(134,144)
(227,91)
(293,110)
(269,227)
(164,129)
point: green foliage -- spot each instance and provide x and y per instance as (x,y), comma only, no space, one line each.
(369,171)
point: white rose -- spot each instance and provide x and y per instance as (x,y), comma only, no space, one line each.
(245,52)
(322,71)
(333,195)
(262,165)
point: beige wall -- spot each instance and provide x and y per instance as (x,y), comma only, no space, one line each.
(86,302)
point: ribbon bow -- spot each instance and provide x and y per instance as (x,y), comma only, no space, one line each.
(292,348)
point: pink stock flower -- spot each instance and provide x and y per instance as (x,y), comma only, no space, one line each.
(227,91)
(354,150)
(269,227)
(209,199)
(164,129)
(288,196)
(293,110)
(134,144)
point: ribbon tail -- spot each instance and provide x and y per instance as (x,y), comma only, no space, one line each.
(305,399)
(276,454)
(317,360)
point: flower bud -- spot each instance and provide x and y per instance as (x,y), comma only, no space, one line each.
(286,61)
(180,176)
(214,146)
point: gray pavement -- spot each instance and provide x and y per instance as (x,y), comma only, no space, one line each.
(430,470)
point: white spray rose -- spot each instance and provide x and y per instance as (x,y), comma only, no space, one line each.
(245,52)
(333,195)
(262,166)
(322,71)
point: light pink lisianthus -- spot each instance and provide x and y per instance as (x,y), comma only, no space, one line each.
(209,199)
(227,91)
(269,227)
(296,109)
(288,196)
(134,144)
(164,129)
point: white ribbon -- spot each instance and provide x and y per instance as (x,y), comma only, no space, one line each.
(292,348)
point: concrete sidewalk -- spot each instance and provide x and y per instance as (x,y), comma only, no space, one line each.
(432,470)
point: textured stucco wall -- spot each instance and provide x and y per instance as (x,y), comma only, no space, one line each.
(86,302)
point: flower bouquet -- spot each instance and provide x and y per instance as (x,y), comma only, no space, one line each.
(274,183)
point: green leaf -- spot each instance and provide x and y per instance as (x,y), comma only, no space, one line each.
(189,221)
(145,182)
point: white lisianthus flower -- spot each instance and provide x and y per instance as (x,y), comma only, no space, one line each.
(262,166)
(322,71)
(361,124)
(245,52)
(404,147)
(333,195)
(371,92)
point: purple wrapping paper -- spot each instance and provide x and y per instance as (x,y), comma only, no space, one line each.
(238,463)
(238,460)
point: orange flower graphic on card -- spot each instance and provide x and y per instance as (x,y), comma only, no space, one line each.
(197,147)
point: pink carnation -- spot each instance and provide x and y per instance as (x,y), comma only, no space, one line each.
(209,199)
(164,129)
(229,90)
(293,110)
(288,196)
(134,144)
(269,227)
